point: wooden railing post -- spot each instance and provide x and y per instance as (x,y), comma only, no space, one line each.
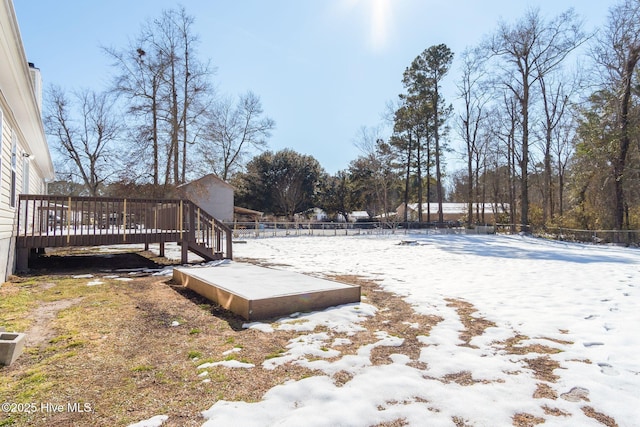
(189,234)
(124,220)
(229,239)
(68,220)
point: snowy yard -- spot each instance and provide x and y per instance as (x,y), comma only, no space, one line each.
(578,303)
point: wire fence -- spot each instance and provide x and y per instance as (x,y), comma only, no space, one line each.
(249,230)
(615,237)
(256,230)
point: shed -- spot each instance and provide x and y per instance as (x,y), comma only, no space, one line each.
(212,194)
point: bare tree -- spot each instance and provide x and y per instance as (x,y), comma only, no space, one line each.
(167,90)
(529,50)
(233,131)
(139,81)
(475,100)
(563,149)
(617,53)
(85,134)
(372,174)
(556,96)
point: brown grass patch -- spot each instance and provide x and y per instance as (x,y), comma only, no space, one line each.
(464,378)
(599,416)
(512,346)
(395,317)
(555,412)
(474,326)
(526,420)
(395,423)
(543,368)
(543,391)
(460,422)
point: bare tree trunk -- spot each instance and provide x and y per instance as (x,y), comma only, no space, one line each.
(419,171)
(471,187)
(406,183)
(429,180)
(625,139)
(436,118)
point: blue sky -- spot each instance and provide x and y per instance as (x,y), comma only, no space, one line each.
(322,68)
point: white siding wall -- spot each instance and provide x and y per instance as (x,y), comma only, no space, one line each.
(20,121)
(35,184)
(6,212)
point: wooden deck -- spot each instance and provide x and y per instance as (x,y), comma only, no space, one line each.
(60,221)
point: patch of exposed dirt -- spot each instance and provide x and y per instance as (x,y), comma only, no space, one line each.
(42,330)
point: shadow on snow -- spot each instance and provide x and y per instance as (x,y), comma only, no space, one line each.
(520,247)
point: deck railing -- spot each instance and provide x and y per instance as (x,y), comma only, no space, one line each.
(58,221)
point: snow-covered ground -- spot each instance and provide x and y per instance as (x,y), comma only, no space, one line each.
(581,299)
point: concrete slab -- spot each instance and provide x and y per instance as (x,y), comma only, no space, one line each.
(256,293)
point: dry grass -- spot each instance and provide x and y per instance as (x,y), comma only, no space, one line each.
(113,347)
(395,316)
(599,416)
(474,326)
(526,420)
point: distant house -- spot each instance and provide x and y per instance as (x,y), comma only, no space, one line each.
(212,194)
(450,211)
(319,215)
(25,160)
(246,215)
(356,216)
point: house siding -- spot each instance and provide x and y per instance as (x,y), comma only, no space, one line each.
(7,213)
(20,121)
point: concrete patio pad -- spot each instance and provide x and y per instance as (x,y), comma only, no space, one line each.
(255,292)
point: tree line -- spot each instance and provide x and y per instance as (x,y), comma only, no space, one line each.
(546,113)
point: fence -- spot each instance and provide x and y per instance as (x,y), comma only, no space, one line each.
(248,230)
(618,237)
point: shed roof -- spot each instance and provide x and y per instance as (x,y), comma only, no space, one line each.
(205,180)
